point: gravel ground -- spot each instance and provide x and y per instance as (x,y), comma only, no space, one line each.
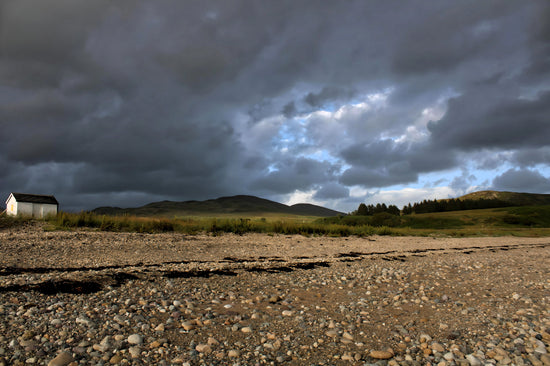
(89,298)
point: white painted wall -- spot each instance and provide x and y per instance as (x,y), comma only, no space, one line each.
(24,209)
(37,210)
(48,210)
(11,206)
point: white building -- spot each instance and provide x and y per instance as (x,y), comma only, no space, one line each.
(31,205)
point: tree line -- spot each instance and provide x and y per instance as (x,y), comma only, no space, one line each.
(369,210)
(427,206)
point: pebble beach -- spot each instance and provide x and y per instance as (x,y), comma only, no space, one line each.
(92,298)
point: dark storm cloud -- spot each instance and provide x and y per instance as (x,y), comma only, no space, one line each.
(291,174)
(332,191)
(397,173)
(483,118)
(451,35)
(107,102)
(522,180)
(531,157)
(328,95)
(385,163)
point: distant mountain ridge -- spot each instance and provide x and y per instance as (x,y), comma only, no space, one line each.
(513,198)
(241,204)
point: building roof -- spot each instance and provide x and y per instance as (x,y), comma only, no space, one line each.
(35,198)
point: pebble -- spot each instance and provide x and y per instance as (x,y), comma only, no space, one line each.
(438,347)
(203,348)
(381,355)
(331,333)
(347,336)
(234,353)
(135,339)
(61,359)
(188,325)
(116,359)
(135,351)
(473,360)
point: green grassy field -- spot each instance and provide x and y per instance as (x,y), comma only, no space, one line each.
(519,221)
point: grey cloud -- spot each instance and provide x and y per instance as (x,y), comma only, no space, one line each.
(397,173)
(462,182)
(522,180)
(531,157)
(328,94)
(385,163)
(42,41)
(453,35)
(478,120)
(289,110)
(331,191)
(128,100)
(489,160)
(292,174)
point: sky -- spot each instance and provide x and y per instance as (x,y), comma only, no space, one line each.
(122,103)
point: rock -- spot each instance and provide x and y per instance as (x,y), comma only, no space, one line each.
(119,337)
(116,359)
(135,351)
(233,353)
(135,339)
(273,299)
(188,325)
(246,330)
(56,322)
(381,355)
(347,336)
(438,347)
(203,348)
(425,338)
(155,344)
(534,360)
(347,357)
(61,359)
(541,349)
(331,333)
(448,356)
(545,359)
(100,347)
(84,321)
(473,360)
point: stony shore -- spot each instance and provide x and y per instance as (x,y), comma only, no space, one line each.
(90,298)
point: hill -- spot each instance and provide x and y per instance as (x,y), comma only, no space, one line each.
(234,205)
(513,198)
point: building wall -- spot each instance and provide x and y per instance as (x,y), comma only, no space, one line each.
(48,210)
(24,209)
(11,206)
(38,210)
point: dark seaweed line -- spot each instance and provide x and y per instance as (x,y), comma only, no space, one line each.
(6,271)
(52,287)
(358,256)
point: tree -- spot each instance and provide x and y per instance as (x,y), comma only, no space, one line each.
(394,210)
(362,210)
